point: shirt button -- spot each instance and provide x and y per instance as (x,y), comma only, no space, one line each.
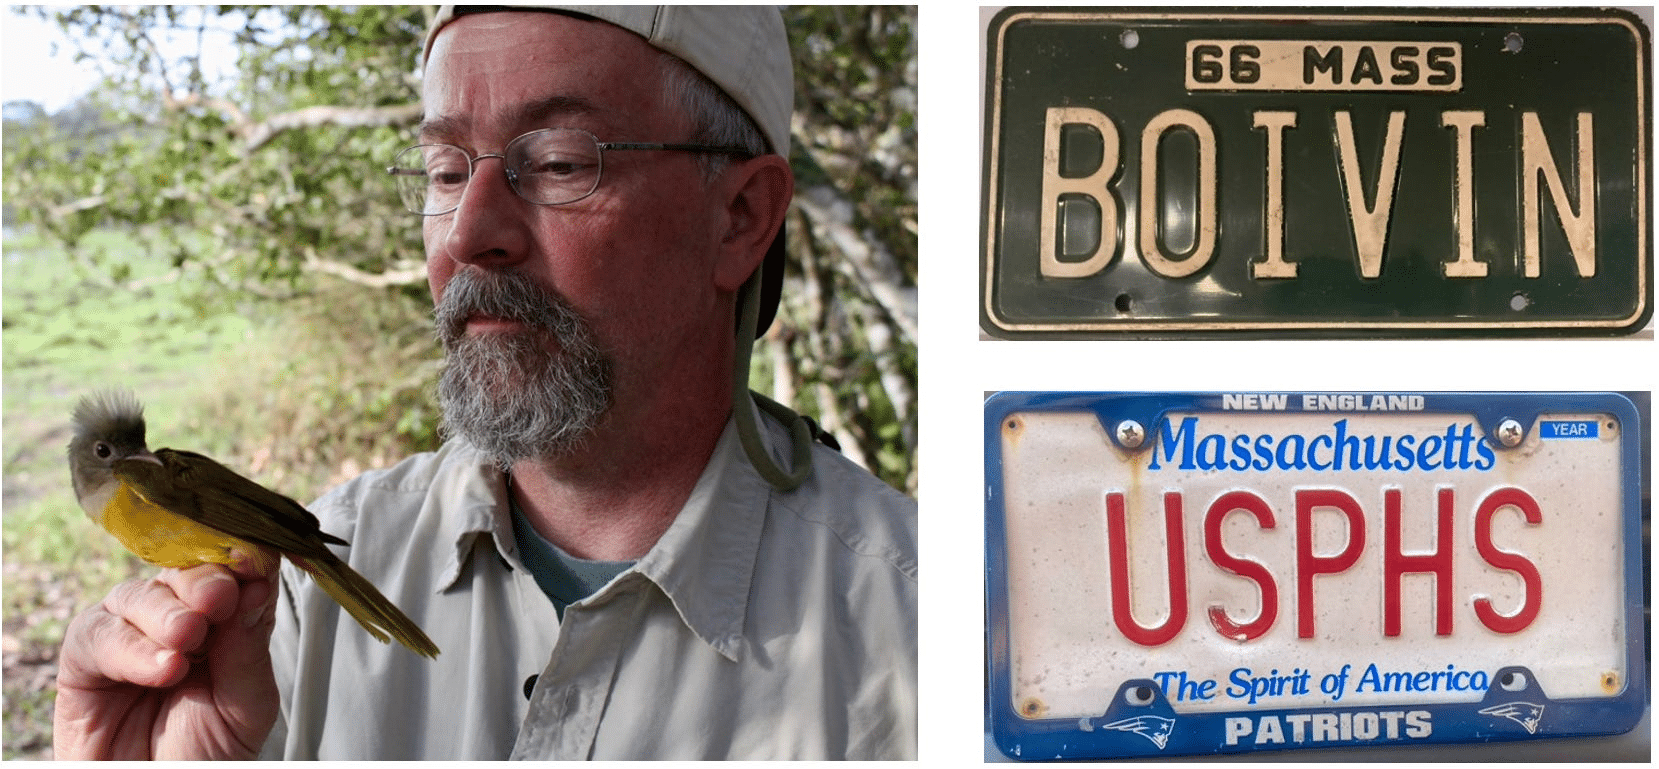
(529,685)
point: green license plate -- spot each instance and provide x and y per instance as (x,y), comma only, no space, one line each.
(1370,172)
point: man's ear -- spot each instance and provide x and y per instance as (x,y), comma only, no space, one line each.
(757,193)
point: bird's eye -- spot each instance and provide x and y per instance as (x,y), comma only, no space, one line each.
(102,450)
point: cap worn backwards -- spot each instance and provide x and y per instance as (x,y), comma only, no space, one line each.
(742,48)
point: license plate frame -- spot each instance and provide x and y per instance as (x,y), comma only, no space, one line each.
(1329,296)
(1145,705)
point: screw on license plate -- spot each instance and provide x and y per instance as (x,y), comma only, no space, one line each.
(1131,434)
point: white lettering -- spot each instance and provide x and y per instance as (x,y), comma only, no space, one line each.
(1093,186)
(1418,724)
(1580,226)
(1463,125)
(1363,726)
(1081,218)
(1274,266)
(1325,727)
(1349,402)
(1254,401)
(1151,250)
(1270,732)
(1370,222)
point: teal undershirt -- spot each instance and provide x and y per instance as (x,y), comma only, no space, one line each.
(563,577)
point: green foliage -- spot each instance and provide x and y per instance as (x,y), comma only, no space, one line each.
(66,336)
(252,183)
(856,86)
(350,390)
(52,315)
(849,353)
(260,161)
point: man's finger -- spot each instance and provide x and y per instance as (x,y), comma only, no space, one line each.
(102,649)
(155,610)
(210,589)
(260,563)
(239,656)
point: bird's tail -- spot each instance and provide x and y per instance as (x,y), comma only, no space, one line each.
(365,603)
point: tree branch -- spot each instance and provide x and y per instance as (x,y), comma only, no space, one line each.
(76,206)
(232,113)
(403,274)
(258,134)
(831,214)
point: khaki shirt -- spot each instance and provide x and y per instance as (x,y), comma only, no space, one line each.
(762,625)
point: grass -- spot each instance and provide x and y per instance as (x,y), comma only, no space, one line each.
(291,396)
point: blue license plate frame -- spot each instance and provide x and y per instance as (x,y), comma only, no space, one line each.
(1145,716)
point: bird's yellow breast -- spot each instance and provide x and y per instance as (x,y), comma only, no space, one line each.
(163,537)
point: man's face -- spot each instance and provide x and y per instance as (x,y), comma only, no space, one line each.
(624,275)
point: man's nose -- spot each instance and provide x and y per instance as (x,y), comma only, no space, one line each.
(489,227)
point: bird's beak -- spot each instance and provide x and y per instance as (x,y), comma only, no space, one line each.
(147,457)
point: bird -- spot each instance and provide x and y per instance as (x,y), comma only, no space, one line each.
(178,509)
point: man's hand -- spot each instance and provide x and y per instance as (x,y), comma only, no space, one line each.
(175,667)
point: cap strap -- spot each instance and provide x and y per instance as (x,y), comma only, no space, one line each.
(744,403)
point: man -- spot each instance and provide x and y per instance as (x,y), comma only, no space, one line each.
(615,560)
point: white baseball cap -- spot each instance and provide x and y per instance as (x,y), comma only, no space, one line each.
(742,48)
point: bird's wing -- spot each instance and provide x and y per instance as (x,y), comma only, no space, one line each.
(209,493)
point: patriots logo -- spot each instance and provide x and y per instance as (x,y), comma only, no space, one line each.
(1155,728)
(1524,713)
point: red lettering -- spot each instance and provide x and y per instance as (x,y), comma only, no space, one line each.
(1489,507)
(1396,563)
(1243,567)
(1308,564)
(1118,553)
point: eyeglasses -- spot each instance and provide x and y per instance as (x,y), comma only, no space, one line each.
(549,167)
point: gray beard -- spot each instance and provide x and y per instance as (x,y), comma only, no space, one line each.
(533,394)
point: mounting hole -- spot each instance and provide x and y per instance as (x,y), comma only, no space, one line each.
(1123,303)
(1140,695)
(1130,38)
(1519,302)
(1513,42)
(1513,681)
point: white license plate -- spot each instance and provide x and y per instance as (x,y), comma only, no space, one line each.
(1200,573)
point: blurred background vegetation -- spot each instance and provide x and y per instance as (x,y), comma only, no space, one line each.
(223,242)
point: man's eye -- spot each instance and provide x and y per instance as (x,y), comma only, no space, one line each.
(445,177)
(556,167)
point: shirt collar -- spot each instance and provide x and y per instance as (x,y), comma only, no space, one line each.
(474,500)
(703,562)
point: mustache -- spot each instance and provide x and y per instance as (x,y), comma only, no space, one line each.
(538,393)
(507,295)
